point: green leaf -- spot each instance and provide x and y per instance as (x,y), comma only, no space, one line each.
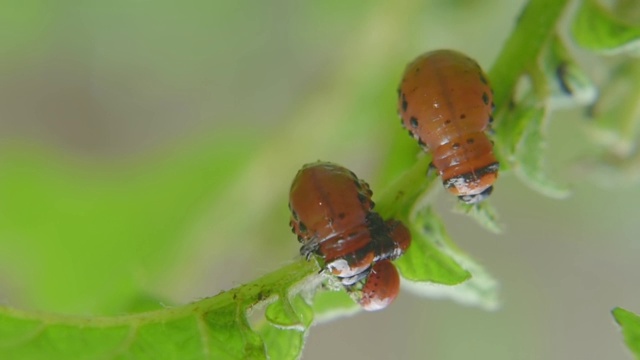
(616,124)
(62,218)
(282,344)
(566,84)
(427,258)
(289,314)
(528,158)
(287,326)
(425,262)
(483,213)
(630,324)
(213,328)
(433,261)
(331,304)
(596,29)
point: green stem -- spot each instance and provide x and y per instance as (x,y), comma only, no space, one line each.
(534,26)
(262,289)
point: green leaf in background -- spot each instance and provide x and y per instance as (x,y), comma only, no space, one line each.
(630,324)
(529,154)
(616,123)
(215,327)
(597,29)
(567,85)
(85,237)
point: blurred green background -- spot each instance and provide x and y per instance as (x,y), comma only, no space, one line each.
(147,147)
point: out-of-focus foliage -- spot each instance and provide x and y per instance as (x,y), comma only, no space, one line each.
(630,324)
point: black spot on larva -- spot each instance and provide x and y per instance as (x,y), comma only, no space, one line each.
(463,116)
(493,106)
(410,133)
(447,122)
(353,175)
(490,119)
(405,105)
(293,213)
(414,122)
(455,146)
(470,141)
(358,185)
(483,79)
(341,216)
(485,98)
(421,143)
(418,69)
(302,227)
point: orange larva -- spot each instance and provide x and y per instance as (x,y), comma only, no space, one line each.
(445,102)
(332,214)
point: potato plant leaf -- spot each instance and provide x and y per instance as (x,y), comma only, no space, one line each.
(213,328)
(630,324)
(597,29)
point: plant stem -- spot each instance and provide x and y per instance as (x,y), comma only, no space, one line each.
(533,27)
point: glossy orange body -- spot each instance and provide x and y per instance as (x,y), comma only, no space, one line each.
(332,214)
(445,102)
